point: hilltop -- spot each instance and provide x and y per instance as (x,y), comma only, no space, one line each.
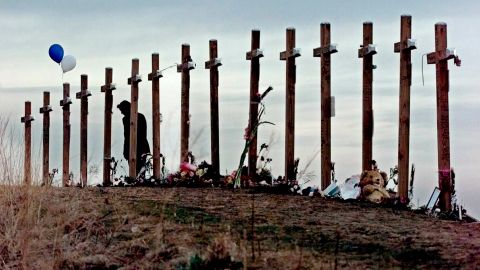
(182,228)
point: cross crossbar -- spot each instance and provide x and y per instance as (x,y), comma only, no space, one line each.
(327,49)
(108,86)
(155,75)
(186,66)
(46,109)
(408,44)
(295,52)
(135,79)
(441,55)
(27,118)
(370,49)
(83,93)
(215,62)
(257,53)
(66,101)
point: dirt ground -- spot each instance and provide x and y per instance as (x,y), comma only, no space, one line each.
(187,228)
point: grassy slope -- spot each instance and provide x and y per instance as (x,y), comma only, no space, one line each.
(147,228)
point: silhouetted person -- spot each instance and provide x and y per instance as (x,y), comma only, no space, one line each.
(142,142)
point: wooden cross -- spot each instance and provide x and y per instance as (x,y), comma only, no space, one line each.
(155,78)
(324,52)
(213,65)
(83,96)
(65,104)
(366,51)
(27,162)
(186,65)
(107,88)
(133,81)
(289,56)
(254,56)
(440,58)
(404,47)
(45,110)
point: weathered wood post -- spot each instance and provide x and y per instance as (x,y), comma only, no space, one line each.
(404,47)
(155,78)
(186,65)
(133,81)
(289,56)
(107,88)
(83,96)
(27,162)
(254,56)
(440,58)
(65,104)
(366,51)
(213,65)
(45,110)
(324,52)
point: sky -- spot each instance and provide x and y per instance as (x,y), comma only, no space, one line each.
(110,33)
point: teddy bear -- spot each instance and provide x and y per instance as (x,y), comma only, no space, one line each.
(372,185)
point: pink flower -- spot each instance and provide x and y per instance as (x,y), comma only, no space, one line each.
(185,166)
(404,200)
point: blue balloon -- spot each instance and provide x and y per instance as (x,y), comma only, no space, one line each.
(56,53)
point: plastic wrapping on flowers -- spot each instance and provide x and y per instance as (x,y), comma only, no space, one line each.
(350,189)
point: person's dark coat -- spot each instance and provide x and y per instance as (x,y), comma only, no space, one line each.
(142,143)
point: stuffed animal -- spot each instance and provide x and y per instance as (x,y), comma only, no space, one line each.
(372,185)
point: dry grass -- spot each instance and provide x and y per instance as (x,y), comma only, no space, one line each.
(151,228)
(70,228)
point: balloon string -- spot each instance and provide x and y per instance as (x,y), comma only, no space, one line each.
(61,72)
(175,64)
(423,78)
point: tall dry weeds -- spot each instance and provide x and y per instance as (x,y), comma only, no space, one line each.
(11,158)
(20,205)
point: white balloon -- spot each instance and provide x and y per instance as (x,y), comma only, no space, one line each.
(68,63)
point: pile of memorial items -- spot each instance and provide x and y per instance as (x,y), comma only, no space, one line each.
(192,175)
